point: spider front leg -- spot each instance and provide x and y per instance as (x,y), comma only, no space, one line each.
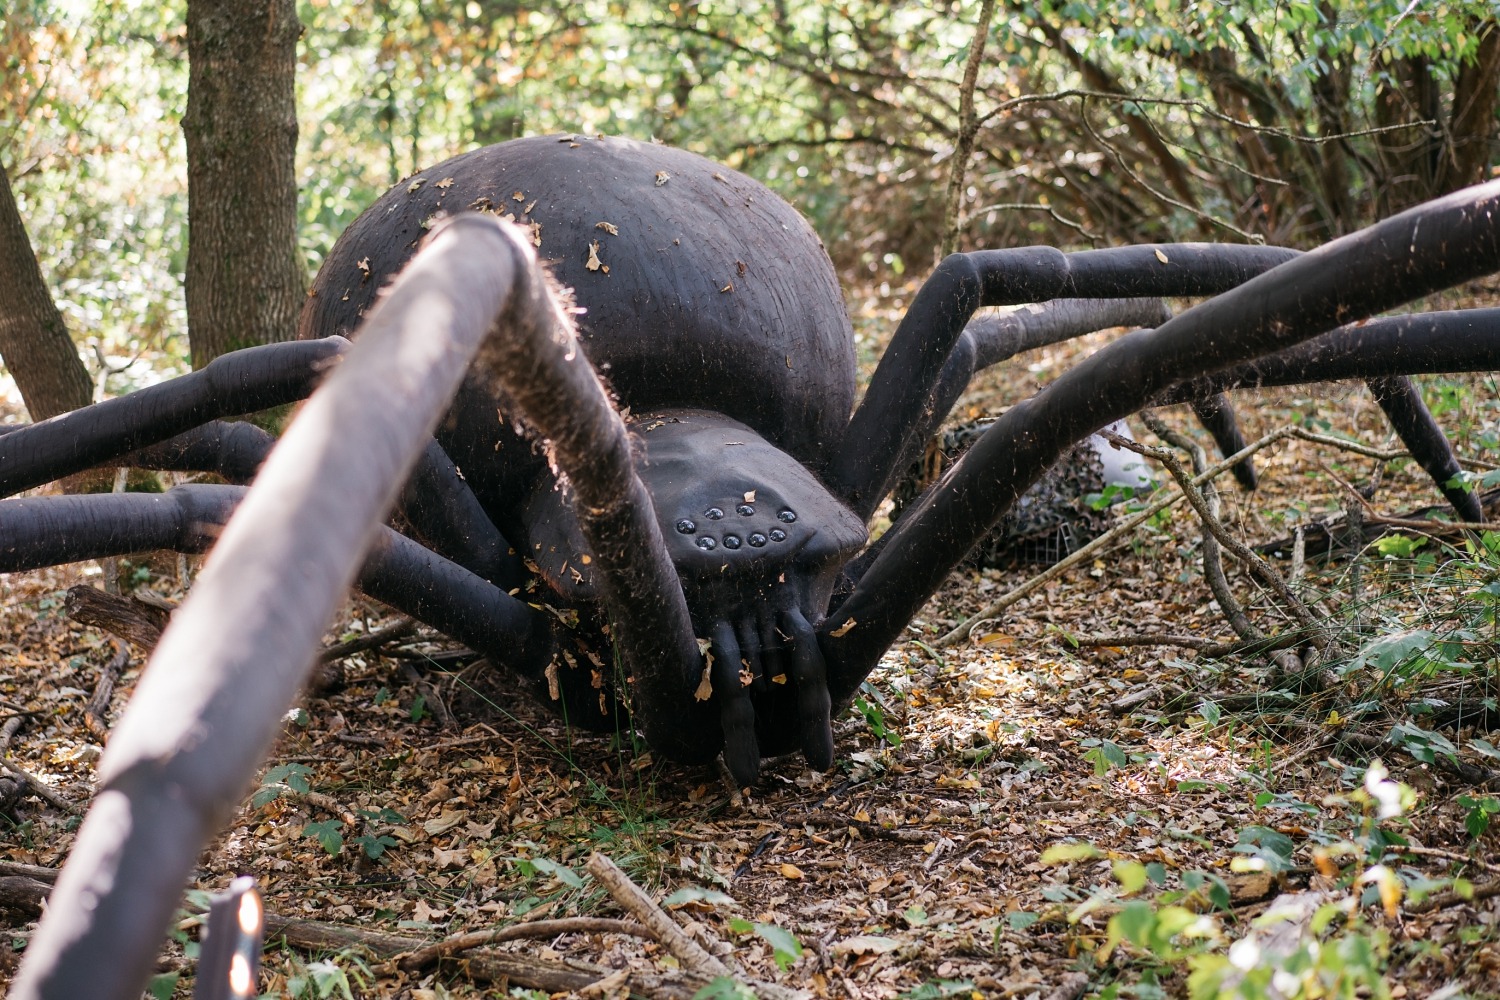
(1433,246)
(228,666)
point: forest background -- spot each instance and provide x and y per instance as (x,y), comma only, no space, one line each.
(1074,124)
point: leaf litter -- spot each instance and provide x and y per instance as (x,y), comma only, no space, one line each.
(944,847)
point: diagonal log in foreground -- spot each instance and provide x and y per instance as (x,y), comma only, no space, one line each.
(236,655)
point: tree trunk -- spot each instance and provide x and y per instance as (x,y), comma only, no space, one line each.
(245,282)
(1472,127)
(34,341)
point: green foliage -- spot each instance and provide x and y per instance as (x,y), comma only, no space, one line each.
(785,948)
(938,989)
(280,781)
(338,976)
(725,988)
(1478,812)
(874,717)
(328,833)
(162,985)
(1105,755)
(543,867)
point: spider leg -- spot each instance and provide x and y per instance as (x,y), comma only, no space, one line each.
(1466,340)
(229,664)
(1463,340)
(902,390)
(1442,243)
(1216,414)
(48,531)
(255,378)
(1413,422)
(736,713)
(436,501)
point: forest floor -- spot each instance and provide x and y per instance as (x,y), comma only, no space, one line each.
(1012,815)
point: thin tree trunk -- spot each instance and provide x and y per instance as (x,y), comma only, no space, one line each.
(968,128)
(34,341)
(245,283)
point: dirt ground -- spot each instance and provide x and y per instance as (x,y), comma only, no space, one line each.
(1001,812)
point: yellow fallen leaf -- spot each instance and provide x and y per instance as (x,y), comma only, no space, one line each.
(609,228)
(843,629)
(791,871)
(1162,257)
(593,263)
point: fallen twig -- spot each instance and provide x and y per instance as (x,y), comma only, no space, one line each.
(1443,900)
(634,901)
(135,619)
(1070,987)
(24,887)
(1453,856)
(423,957)
(398,629)
(40,788)
(1258,566)
(104,689)
(1199,642)
(1208,501)
(836,821)
(962,631)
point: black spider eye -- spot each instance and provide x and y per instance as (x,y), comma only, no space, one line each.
(786,514)
(705,543)
(756,539)
(713,513)
(745,510)
(686,527)
(731,541)
(777,535)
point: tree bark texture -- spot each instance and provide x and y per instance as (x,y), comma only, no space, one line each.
(34,341)
(245,283)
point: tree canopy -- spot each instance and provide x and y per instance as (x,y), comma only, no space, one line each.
(1093,122)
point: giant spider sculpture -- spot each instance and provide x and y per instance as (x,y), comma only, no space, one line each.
(680,490)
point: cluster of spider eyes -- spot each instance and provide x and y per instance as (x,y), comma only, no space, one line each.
(755,539)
